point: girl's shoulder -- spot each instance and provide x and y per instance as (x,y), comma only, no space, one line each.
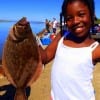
(96,52)
(98,46)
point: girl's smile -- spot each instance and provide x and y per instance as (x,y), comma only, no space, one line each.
(78,28)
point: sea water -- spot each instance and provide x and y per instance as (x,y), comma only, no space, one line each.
(5,28)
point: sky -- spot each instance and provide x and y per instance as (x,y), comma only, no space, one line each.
(34,10)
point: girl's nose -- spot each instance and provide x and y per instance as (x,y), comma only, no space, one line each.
(76,20)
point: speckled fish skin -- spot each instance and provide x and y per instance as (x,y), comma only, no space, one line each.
(21,58)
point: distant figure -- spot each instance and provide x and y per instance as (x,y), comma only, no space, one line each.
(47,25)
(54,25)
(50,26)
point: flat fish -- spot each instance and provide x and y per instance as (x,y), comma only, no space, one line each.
(21,58)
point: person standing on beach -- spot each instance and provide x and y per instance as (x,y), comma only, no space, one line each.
(54,25)
(47,25)
(75,53)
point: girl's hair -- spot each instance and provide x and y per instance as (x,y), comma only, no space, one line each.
(89,3)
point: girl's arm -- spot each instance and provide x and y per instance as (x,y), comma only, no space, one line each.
(48,53)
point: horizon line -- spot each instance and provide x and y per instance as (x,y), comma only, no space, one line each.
(6,20)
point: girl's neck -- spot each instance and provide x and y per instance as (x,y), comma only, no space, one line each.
(76,39)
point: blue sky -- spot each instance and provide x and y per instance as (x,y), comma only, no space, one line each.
(36,10)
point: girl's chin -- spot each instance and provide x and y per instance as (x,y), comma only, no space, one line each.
(79,34)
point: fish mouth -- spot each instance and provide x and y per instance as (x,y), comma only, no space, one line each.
(22,21)
(21,25)
(21,29)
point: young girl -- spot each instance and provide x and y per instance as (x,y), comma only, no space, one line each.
(74,53)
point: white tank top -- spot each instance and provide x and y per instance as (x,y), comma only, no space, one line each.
(71,73)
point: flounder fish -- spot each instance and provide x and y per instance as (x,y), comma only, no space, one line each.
(21,57)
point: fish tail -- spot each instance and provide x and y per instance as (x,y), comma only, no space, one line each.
(20,94)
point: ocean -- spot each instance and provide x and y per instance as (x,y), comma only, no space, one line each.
(5,28)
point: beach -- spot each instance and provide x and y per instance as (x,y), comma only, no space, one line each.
(40,90)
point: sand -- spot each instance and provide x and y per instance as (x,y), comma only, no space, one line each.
(40,90)
(96,81)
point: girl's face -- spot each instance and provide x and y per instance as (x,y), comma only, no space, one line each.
(78,18)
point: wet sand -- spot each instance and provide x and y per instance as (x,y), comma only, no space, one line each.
(40,90)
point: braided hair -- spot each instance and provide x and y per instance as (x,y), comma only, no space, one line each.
(90,5)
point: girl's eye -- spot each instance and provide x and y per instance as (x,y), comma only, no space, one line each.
(81,14)
(69,18)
